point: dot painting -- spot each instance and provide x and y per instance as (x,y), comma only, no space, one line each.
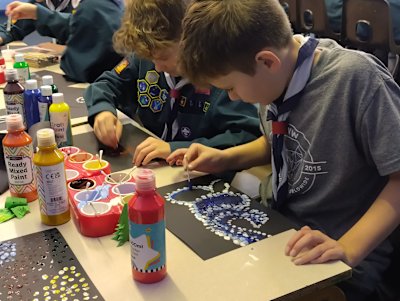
(218,211)
(42,267)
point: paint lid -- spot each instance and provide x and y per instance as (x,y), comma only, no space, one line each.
(58,98)
(46,90)
(45,138)
(14,122)
(47,80)
(11,74)
(31,84)
(19,58)
(145,179)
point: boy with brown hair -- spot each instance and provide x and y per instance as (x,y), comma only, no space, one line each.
(331,116)
(148,84)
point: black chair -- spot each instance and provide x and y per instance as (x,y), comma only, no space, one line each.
(290,7)
(313,18)
(367,25)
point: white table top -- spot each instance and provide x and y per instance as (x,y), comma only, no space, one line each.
(259,271)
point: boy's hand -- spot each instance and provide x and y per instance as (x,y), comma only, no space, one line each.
(200,158)
(107,128)
(313,246)
(20,10)
(150,149)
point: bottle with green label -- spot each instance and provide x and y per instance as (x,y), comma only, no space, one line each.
(51,180)
(60,120)
(22,68)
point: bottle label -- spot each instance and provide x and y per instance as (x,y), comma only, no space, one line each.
(23,74)
(147,246)
(19,168)
(52,189)
(43,111)
(15,105)
(59,122)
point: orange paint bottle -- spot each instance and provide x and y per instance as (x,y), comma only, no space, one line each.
(18,153)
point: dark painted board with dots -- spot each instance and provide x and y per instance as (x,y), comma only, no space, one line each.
(213,218)
(42,267)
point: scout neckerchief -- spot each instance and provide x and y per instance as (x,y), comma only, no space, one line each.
(278,112)
(171,126)
(59,8)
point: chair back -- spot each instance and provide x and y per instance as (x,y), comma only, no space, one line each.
(314,19)
(290,7)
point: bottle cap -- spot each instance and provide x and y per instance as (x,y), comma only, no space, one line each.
(19,57)
(14,122)
(58,97)
(47,80)
(45,137)
(145,180)
(11,74)
(46,90)
(31,84)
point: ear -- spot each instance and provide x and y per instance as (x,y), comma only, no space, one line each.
(268,59)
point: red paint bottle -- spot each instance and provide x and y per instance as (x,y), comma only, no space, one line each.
(147,230)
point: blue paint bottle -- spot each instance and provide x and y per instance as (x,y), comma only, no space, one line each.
(31,99)
(44,103)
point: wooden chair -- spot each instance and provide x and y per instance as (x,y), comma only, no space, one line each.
(330,293)
(290,7)
(313,18)
(367,25)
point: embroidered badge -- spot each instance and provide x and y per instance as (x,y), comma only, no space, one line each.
(156,105)
(121,66)
(186,132)
(206,106)
(182,101)
(154,91)
(142,85)
(152,76)
(144,100)
(164,95)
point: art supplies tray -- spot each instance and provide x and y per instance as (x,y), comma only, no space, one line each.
(96,195)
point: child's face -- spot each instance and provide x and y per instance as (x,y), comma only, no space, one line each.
(266,85)
(166,60)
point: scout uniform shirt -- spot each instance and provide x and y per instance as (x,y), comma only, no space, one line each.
(22,28)
(206,117)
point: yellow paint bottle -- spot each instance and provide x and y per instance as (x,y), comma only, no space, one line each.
(51,180)
(60,120)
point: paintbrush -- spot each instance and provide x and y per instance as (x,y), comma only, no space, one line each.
(9,22)
(187,174)
(128,174)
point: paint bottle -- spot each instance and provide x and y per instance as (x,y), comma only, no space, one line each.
(2,70)
(31,100)
(47,80)
(146,212)
(18,153)
(60,120)
(22,68)
(44,102)
(14,94)
(51,180)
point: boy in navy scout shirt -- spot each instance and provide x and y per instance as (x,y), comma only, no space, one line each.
(87,33)
(331,117)
(22,28)
(166,104)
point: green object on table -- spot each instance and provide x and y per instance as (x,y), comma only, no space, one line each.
(5,215)
(12,202)
(121,233)
(20,211)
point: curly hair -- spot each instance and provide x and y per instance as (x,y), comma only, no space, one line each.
(221,36)
(149,25)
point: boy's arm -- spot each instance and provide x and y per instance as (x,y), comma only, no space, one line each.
(232,123)
(207,159)
(89,49)
(53,24)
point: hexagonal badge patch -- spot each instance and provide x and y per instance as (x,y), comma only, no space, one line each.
(142,85)
(152,76)
(164,95)
(154,91)
(156,105)
(144,100)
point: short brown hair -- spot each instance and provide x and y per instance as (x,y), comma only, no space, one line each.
(220,36)
(149,25)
